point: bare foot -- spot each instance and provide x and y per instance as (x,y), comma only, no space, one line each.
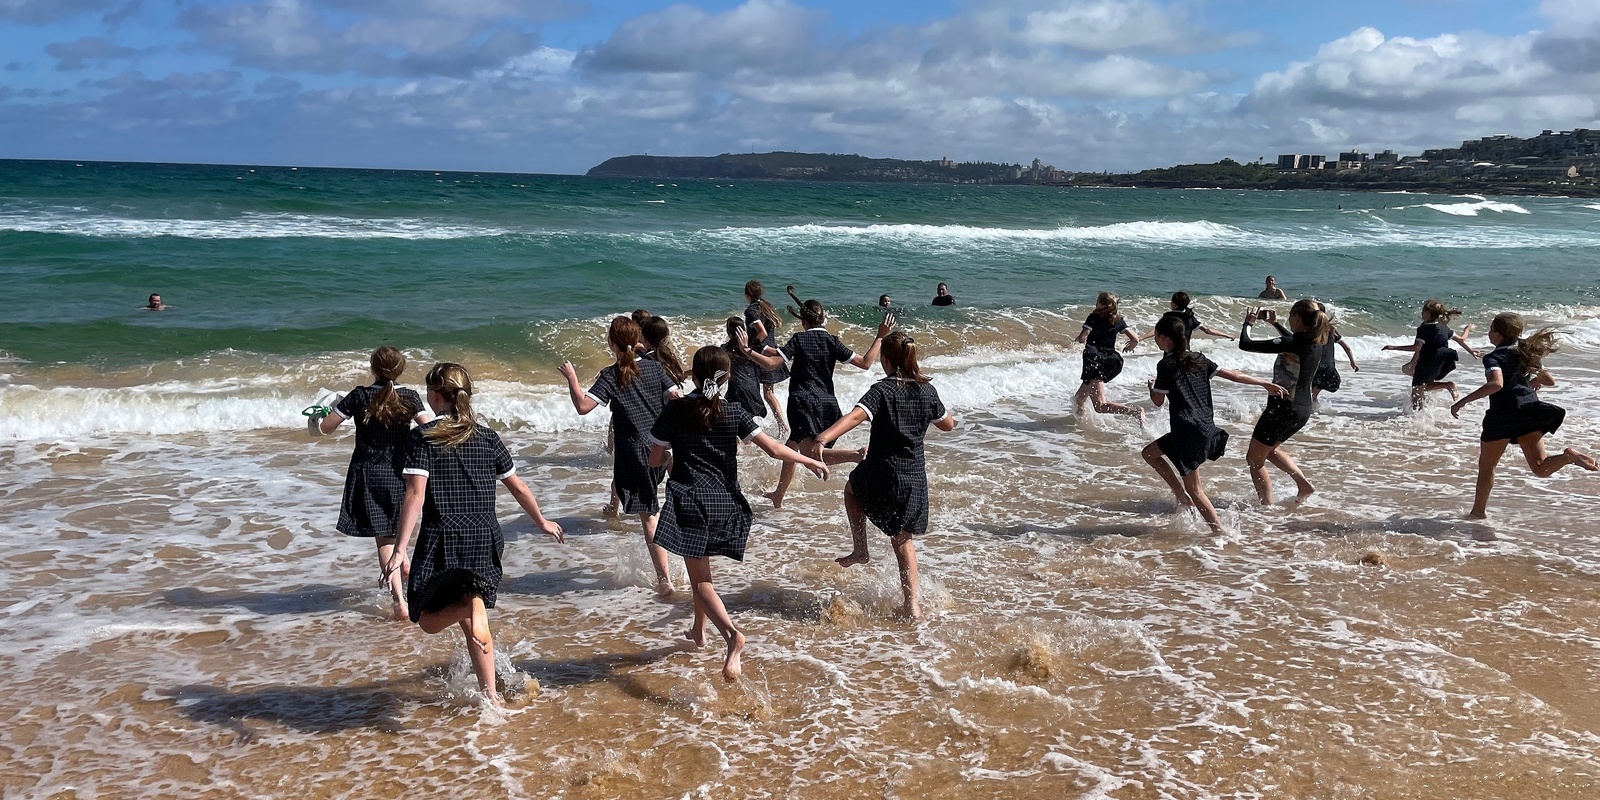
(912,612)
(609,512)
(731,669)
(852,559)
(1451,387)
(696,637)
(478,632)
(664,586)
(401,613)
(1477,515)
(777,499)
(1582,459)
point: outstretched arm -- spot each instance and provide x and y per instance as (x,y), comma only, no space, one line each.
(580,401)
(1281,344)
(1250,380)
(1133,340)
(782,452)
(410,513)
(525,498)
(867,359)
(1493,383)
(1210,331)
(761,360)
(845,424)
(1461,339)
(1350,354)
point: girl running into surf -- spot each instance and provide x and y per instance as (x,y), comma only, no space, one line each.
(705,513)
(744,375)
(1431,356)
(1191,323)
(891,485)
(451,466)
(763,324)
(1184,377)
(810,356)
(635,389)
(640,316)
(1328,378)
(1299,350)
(373,488)
(658,337)
(1513,374)
(1101,361)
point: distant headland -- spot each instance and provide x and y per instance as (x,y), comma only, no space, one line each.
(1552,163)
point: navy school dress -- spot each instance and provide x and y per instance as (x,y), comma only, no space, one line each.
(1101,361)
(744,382)
(705,513)
(1436,358)
(1191,323)
(459,542)
(1516,410)
(811,355)
(892,483)
(634,409)
(1195,437)
(1295,369)
(1327,378)
(373,488)
(752,315)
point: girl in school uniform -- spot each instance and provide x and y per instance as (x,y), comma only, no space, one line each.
(1299,351)
(1431,356)
(705,513)
(373,489)
(452,464)
(1101,361)
(744,375)
(1513,374)
(1183,381)
(1191,324)
(657,335)
(762,324)
(890,487)
(635,389)
(1328,378)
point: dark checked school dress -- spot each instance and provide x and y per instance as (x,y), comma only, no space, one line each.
(1516,410)
(459,543)
(1436,358)
(705,513)
(892,483)
(1195,437)
(752,314)
(744,384)
(1295,369)
(634,409)
(1191,323)
(373,488)
(1101,361)
(811,355)
(1328,378)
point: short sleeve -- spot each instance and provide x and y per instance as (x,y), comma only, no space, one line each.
(873,402)
(419,455)
(936,409)
(605,387)
(1210,368)
(1493,362)
(666,423)
(504,467)
(666,382)
(837,349)
(1122,325)
(746,424)
(1165,379)
(790,347)
(351,405)
(1422,333)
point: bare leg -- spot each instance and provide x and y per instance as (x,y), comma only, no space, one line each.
(905,551)
(697,630)
(1197,492)
(858,531)
(1104,406)
(705,596)
(786,472)
(1256,459)
(1416,397)
(480,649)
(1547,465)
(658,557)
(1080,401)
(397,585)
(614,505)
(1280,459)
(771,393)
(1489,454)
(1157,460)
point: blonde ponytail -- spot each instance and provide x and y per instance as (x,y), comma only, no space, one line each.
(454,385)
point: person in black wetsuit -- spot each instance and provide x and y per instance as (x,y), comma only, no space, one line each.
(762,323)
(942,297)
(1184,377)
(705,513)
(1431,356)
(1101,361)
(1513,374)
(1299,351)
(452,465)
(811,356)
(373,487)
(1328,378)
(1191,323)
(890,488)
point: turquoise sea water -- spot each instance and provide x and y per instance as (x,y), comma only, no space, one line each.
(292,261)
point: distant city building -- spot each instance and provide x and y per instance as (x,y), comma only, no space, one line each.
(1352,155)
(1315,162)
(1289,161)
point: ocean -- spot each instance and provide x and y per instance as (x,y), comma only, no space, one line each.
(181,619)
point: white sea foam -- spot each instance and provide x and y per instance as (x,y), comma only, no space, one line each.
(1149,232)
(246,226)
(1472,209)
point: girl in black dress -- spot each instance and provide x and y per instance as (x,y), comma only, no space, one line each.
(1184,377)
(1101,361)
(1328,378)
(451,467)
(762,324)
(635,389)
(744,375)
(810,356)
(1191,323)
(372,486)
(1299,349)
(657,336)
(1513,374)
(891,485)
(1432,359)
(705,513)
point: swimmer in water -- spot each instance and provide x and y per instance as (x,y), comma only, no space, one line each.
(1299,351)
(1101,361)
(154,304)
(1431,355)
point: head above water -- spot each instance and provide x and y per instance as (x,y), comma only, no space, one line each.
(941,290)
(1272,281)
(884,301)
(155,300)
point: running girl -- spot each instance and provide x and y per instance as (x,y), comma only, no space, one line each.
(373,488)
(1185,376)
(451,467)
(705,513)
(1513,374)
(891,485)
(1191,323)
(762,322)
(1327,378)
(635,389)
(810,356)
(1431,356)
(1101,361)
(658,338)
(744,375)
(1299,349)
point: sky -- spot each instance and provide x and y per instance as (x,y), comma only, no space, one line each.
(557,86)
